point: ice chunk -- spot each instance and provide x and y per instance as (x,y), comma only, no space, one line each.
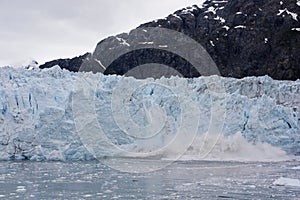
(287,182)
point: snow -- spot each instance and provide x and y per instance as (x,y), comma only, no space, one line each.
(174,15)
(281,3)
(37,110)
(211,9)
(146,42)
(240,26)
(212,43)
(122,41)
(295,29)
(266,40)
(287,182)
(294,15)
(296,168)
(298,3)
(220,19)
(220,1)
(100,63)
(189,10)
(238,13)
(226,27)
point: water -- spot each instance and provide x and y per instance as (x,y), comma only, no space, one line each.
(181,180)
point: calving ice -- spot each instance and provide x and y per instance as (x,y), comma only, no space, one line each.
(37,117)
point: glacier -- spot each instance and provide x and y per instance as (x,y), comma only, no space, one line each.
(39,120)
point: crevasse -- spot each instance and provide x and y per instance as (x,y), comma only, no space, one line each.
(262,116)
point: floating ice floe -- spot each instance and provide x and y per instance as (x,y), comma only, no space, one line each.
(287,182)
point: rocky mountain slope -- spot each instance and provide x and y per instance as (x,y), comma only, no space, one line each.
(243,37)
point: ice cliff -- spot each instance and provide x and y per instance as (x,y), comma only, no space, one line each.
(262,116)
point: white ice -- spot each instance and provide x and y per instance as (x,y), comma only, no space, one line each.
(37,115)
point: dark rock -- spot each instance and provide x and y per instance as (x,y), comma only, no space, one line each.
(243,37)
(73,64)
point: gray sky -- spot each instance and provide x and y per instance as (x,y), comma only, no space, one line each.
(45,30)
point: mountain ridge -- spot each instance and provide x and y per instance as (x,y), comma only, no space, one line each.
(244,38)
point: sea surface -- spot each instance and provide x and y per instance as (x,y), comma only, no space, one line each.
(180,180)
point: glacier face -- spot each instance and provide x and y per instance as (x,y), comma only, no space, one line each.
(37,115)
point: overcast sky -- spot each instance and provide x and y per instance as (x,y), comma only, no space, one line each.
(46,30)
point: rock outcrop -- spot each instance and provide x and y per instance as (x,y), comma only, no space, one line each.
(243,37)
(72,64)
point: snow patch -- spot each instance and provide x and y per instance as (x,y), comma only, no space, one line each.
(211,9)
(294,15)
(189,10)
(220,1)
(222,20)
(122,41)
(174,15)
(146,42)
(295,29)
(212,43)
(240,26)
(266,40)
(226,27)
(100,63)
